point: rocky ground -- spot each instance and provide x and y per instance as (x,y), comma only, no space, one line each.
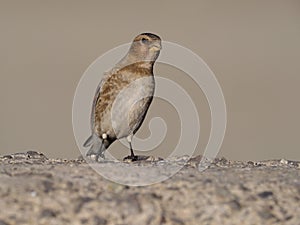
(38,190)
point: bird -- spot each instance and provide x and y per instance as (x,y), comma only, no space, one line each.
(123,97)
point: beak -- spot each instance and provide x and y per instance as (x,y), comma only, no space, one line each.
(155,47)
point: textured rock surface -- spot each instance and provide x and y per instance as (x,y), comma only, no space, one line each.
(37,190)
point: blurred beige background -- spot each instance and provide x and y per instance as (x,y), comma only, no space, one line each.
(253,47)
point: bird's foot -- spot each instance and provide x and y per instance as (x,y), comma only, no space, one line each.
(142,158)
(131,158)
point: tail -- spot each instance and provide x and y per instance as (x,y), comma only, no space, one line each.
(97,146)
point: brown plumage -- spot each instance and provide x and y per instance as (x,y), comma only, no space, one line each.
(124,96)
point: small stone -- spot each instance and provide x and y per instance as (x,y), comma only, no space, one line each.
(154,159)
(266,214)
(80,202)
(235,204)
(7,157)
(48,213)
(33,194)
(35,155)
(48,186)
(99,220)
(284,161)
(265,194)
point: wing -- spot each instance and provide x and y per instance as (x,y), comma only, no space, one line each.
(96,98)
(91,139)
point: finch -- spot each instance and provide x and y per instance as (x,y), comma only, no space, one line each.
(123,96)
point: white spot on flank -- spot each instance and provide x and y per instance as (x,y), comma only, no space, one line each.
(104,136)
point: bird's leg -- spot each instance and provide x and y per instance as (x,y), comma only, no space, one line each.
(131,150)
(132,157)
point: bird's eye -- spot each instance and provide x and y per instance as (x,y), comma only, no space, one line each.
(145,40)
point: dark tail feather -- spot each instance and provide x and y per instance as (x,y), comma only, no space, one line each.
(97,146)
(88,142)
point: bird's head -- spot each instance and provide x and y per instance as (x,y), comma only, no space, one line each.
(145,47)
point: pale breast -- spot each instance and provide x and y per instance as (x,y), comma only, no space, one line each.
(130,106)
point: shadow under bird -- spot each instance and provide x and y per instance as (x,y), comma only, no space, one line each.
(123,96)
